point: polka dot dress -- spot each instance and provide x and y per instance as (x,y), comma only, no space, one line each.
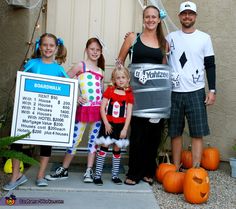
(90,86)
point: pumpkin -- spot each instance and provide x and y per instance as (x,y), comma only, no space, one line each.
(186,158)
(163,168)
(210,158)
(196,185)
(173,182)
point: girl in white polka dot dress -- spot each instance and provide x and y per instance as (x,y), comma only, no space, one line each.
(90,76)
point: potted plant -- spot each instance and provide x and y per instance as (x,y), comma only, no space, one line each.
(232,161)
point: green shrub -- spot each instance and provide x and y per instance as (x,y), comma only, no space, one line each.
(7,153)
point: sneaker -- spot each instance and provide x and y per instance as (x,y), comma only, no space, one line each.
(41,182)
(60,173)
(98,181)
(13,185)
(88,176)
(116,180)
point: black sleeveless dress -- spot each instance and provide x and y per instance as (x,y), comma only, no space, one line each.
(145,136)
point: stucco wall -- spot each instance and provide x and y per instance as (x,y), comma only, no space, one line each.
(217,18)
(16,26)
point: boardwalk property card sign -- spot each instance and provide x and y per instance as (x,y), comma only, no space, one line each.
(46,107)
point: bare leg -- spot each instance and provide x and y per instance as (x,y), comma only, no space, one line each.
(176,146)
(43,167)
(67,160)
(88,175)
(15,170)
(91,159)
(197,147)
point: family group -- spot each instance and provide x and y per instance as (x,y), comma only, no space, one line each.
(108,113)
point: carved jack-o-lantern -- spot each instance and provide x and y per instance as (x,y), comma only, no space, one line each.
(196,185)
(10,200)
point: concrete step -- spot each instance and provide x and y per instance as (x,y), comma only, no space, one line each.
(74,193)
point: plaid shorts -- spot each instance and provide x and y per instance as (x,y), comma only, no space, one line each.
(191,105)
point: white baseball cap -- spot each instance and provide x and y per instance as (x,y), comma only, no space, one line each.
(187,5)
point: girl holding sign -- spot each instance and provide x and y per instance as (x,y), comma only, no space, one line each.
(90,76)
(49,53)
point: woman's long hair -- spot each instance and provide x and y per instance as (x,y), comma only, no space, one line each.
(159,31)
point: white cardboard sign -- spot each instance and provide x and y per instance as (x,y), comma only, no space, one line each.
(46,107)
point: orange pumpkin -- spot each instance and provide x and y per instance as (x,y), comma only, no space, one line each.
(196,185)
(186,158)
(210,158)
(173,182)
(163,168)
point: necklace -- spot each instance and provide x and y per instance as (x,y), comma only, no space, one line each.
(120,88)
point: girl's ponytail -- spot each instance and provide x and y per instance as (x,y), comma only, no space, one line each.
(36,53)
(61,54)
(101,62)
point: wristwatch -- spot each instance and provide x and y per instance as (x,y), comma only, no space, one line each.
(213,91)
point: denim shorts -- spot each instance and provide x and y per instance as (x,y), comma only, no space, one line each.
(189,105)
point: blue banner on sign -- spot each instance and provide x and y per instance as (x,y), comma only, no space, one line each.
(47,87)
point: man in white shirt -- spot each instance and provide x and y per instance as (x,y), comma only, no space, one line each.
(191,55)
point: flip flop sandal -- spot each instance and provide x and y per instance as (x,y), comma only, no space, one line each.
(148,180)
(130,182)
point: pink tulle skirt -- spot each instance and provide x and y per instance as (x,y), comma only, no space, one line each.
(88,114)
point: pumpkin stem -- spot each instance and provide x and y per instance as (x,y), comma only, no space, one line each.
(177,170)
(167,158)
(208,144)
(164,157)
(197,165)
(189,147)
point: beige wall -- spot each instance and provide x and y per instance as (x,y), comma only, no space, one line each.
(215,17)
(16,27)
(108,19)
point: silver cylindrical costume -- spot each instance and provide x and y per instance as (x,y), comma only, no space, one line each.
(151,84)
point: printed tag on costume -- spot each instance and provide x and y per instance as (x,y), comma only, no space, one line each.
(46,107)
(152,74)
(175,80)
